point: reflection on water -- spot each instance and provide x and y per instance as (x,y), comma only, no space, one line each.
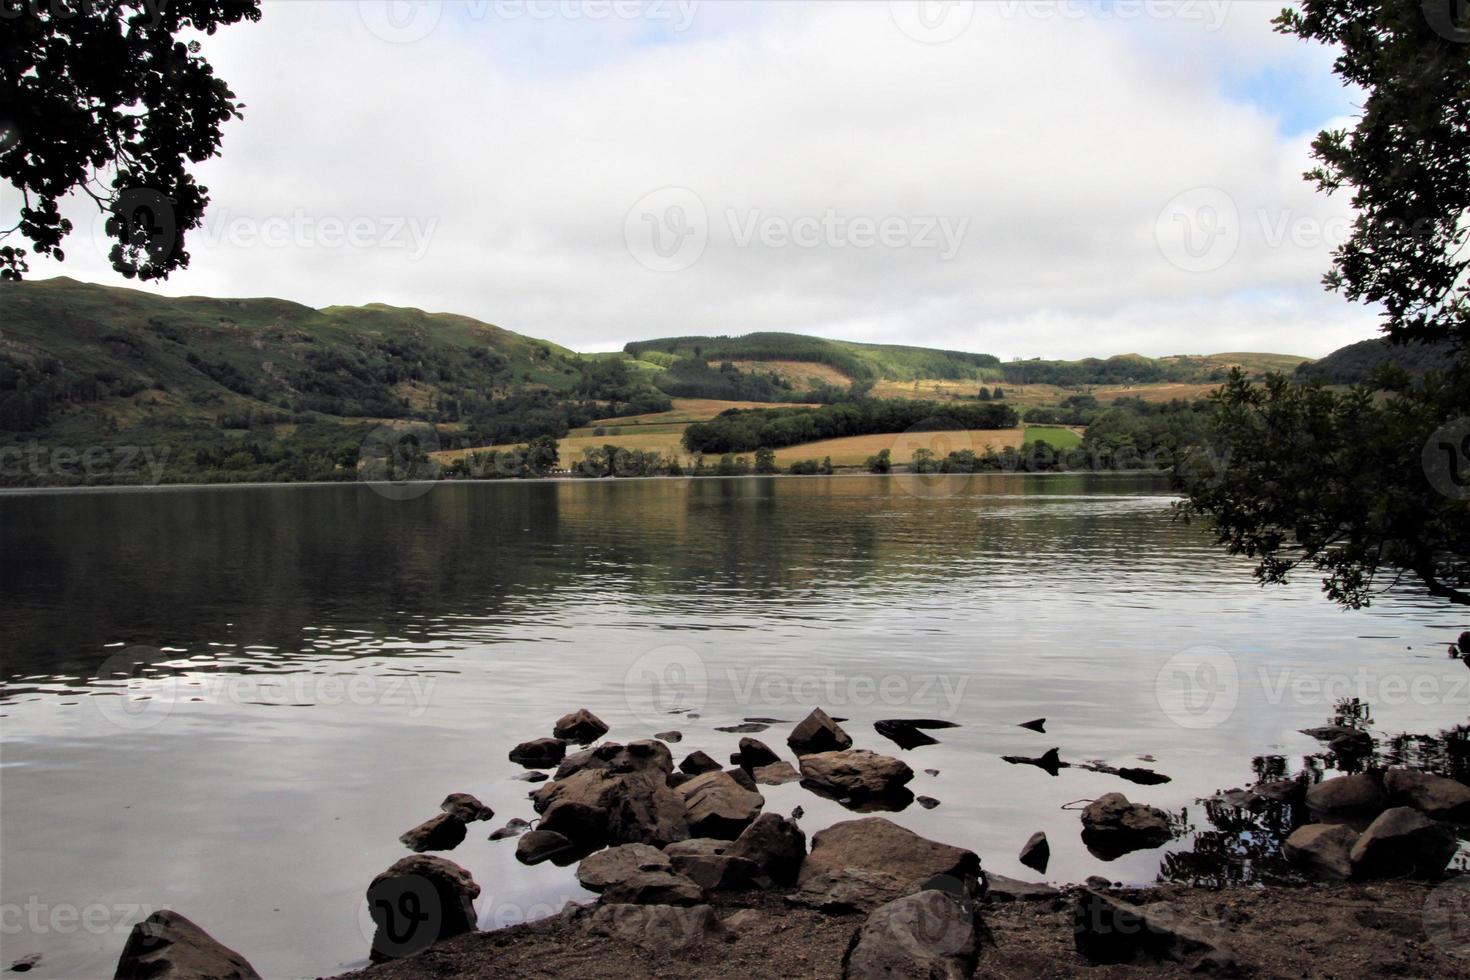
(232,701)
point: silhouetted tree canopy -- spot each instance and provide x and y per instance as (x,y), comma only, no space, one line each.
(108,97)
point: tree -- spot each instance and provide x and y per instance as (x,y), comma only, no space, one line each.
(881,463)
(105,89)
(1376,478)
(765,461)
(984,395)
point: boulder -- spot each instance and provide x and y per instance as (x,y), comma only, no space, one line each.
(717,806)
(466,807)
(442,832)
(167,946)
(660,929)
(754,753)
(438,896)
(720,872)
(777,847)
(1036,852)
(928,935)
(818,733)
(880,845)
(669,736)
(1112,826)
(854,774)
(849,890)
(697,763)
(513,827)
(618,807)
(1434,796)
(581,823)
(1109,931)
(659,887)
(743,779)
(697,845)
(599,871)
(539,753)
(1403,843)
(544,845)
(644,755)
(1347,797)
(775,774)
(1000,889)
(1322,849)
(927,802)
(581,726)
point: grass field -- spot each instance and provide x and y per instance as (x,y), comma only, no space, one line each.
(855,450)
(692,410)
(1056,436)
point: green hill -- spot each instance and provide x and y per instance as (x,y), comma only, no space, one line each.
(1356,363)
(860,362)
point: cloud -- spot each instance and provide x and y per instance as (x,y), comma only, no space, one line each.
(817,153)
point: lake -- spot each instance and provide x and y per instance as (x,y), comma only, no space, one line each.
(231,701)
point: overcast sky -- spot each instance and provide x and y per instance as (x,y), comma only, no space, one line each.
(1021,178)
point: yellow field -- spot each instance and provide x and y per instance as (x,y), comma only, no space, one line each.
(855,450)
(693,410)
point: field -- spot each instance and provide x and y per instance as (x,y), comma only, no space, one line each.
(689,410)
(1056,436)
(799,373)
(855,450)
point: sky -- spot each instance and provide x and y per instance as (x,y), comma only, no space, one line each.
(1015,177)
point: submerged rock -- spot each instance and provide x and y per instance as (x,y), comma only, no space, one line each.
(855,774)
(906,735)
(439,893)
(513,827)
(928,934)
(581,726)
(537,846)
(669,736)
(1112,826)
(167,946)
(1050,761)
(539,753)
(1036,852)
(442,832)
(1035,725)
(754,753)
(818,733)
(743,727)
(466,807)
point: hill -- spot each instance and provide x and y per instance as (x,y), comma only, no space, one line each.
(1356,363)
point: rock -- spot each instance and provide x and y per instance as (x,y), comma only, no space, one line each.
(1280,791)
(1464,642)
(1322,849)
(544,845)
(903,735)
(669,736)
(1098,883)
(1144,777)
(539,753)
(1109,931)
(466,807)
(581,726)
(754,753)
(679,779)
(1356,796)
(925,935)
(600,870)
(660,887)
(849,890)
(1403,843)
(1327,733)
(1036,852)
(697,845)
(1035,724)
(583,824)
(1434,796)
(1112,826)
(644,755)
(878,844)
(635,807)
(776,845)
(797,812)
(442,832)
(855,774)
(931,772)
(167,946)
(744,921)
(25,964)
(717,806)
(818,733)
(659,928)
(438,896)
(775,774)
(1050,761)
(513,827)
(1001,889)
(532,777)
(720,872)
(927,802)
(745,726)
(697,763)
(743,778)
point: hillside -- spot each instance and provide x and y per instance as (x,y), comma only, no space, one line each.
(1356,363)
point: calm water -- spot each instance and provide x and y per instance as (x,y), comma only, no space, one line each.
(314,668)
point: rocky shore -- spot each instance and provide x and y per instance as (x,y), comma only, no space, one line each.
(694,879)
